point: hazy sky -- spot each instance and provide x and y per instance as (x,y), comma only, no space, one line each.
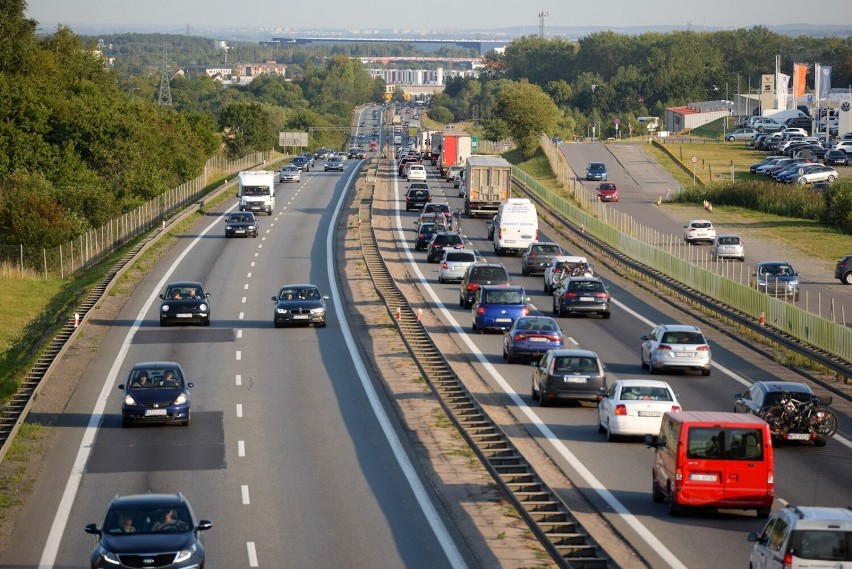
(293,15)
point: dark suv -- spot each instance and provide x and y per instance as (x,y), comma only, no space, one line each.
(479,274)
(843,270)
(537,257)
(416,198)
(440,242)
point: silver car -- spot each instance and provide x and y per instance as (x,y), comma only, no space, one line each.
(454,263)
(676,346)
(290,173)
(728,247)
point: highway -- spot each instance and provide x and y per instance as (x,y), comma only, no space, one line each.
(616,476)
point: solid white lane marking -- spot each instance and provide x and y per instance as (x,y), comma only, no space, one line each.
(252,554)
(239,379)
(245,494)
(241,448)
(409,471)
(239,410)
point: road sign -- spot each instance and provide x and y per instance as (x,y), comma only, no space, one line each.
(617,121)
(694,159)
(474,143)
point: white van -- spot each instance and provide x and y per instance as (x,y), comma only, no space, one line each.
(783,115)
(516,226)
(256,190)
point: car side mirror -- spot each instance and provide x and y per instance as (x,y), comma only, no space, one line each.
(274,299)
(121,386)
(738,396)
(644,338)
(92,529)
(190,385)
(163,296)
(753,537)
(651,441)
(204,525)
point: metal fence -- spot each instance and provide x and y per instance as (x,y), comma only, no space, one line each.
(89,248)
(727,282)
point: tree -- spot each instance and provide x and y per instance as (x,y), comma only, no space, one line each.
(247,128)
(528,113)
(16,37)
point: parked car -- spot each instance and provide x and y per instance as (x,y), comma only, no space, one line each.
(817,173)
(454,263)
(299,304)
(799,537)
(568,375)
(290,173)
(765,124)
(741,134)
(530,337)
(728,247)
(776,278)
(241,224)
(185,302)
(843,270)
(442,241)
(582,295)
(675,346)
(764,164)
(607,192)
(496,307)
(699,230)
(155,392)
(844,145)
(764,395)
(537,257)
(635,407)
(416,198)
(479,274)
(596,171)
(835,158)
(140,530)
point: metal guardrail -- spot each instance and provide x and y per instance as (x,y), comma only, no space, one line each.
(549,518)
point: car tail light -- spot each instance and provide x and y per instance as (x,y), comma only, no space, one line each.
(536,234)
(788,560)
(676,409)
(472,286)
(570,295)
(531,255)
(480,310)
(621,409)
(703,348)
(500,233)
(602,295)
(664,347)
(554,338)
(525,311)
(444,265)
(520,337)
(421,235)
(679,474)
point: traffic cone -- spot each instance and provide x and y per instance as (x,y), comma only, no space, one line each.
(419,314)
(76,319)
(398,313)
(762,319)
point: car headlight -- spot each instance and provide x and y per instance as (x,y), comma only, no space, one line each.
(281,310)
(202,307)
(228,228)
(110,557)
(181,399)
(164,308)
(185,554)
(319,310)
(252,227)
(128,400)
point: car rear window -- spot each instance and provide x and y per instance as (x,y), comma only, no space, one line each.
(646,393)
(683,338)
(824,545)
(504,297)
(724,443)
(459,257)
(575,364)
(702,225)
(492,274)
(774,398)
(587,286)
(729,240)
(418,193)
(537,324)
(545,249)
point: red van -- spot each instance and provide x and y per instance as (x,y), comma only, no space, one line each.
(710,459)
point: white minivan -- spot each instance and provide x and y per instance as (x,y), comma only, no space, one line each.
(516,226)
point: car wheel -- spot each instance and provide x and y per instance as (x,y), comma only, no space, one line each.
(705,372)
(524,271)
(642,361)
(461,301)
(651,369)
(535,394)
(820,442)
(763,513)
(542,400)
(606,315)
(730,139)
(555,310)
(674,507)
(655,491)
(610,437)
(510,358)
(601,428)
(277,324)
(546,289)
(505,353)
(473,326)
(847,278)
(125,423)
(186,421)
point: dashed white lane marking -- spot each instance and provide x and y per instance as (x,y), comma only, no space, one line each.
(252,554)
(245,286)
(240,332)
(243,300)
(573,341)
(245,494)
(239,355)
(241,448)
(257,254)
(239,410)
(239,379)
(252,264)
(248,276)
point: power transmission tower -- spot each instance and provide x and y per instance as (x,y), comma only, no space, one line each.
(165,99)
(541,16)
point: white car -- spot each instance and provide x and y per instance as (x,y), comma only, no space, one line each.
(728,247)
(699,230)
(552,272)
(817,173)
(416,172)
(635,407)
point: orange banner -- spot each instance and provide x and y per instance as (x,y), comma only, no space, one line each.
(800,73)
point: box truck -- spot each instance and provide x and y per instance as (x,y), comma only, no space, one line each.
(436,144)
(457,148)
(256,190)
(487,183)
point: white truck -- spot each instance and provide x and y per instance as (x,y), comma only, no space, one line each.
(516,226)
(256,190)
(487,183)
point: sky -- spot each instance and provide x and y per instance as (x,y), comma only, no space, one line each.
(172,16)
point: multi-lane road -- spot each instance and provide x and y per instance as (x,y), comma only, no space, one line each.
(290,453)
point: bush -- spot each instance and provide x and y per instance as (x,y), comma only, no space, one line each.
(837,211)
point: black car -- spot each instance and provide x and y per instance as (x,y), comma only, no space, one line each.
(835,158)
(843,269)
(479,274)
(537,257)
(149,530)
(440,242)
(417,198)
(492,227)
(185,302)
(155,392)
(241,224)
(582,295)
(425,233)
(568,375)
(301,162)
(299,304)
(765,394)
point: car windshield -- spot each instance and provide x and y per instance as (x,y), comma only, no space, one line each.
(596,166)
(171,519)
(503,297)
(537,324)
(255,190)
(730,443)
(240,218)
(683,338)
(299,293)
(155,378)
(646,393)
(575,364)
(184,293)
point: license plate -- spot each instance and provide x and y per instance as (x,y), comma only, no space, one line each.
(240,231)
(704,477)
(587,299)
(682,355)
(649,413)
(575,379)
(502,320)
(798,436)
(538,339)
(526,236)
(300,317)
(183,315)
(156,412)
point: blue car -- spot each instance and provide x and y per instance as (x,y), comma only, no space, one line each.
(497,307)
(596,171)
(530,337)
(155,392)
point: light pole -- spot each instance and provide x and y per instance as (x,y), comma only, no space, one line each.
(594,86)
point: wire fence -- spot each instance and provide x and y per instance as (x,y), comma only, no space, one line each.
(89,248)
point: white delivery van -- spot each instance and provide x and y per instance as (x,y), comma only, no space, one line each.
(516,226)
(783,115)
(256,190)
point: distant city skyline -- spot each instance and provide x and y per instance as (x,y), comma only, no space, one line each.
(438,15)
